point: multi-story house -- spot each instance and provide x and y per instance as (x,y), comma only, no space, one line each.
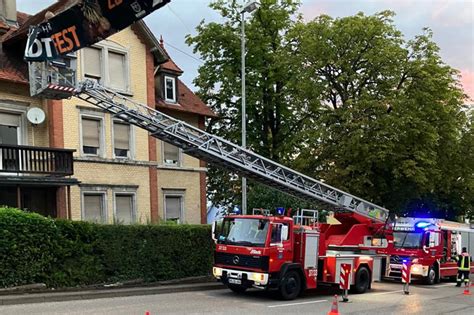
(82,163)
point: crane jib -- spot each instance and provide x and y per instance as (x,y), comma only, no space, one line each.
(210,148)
(83,24)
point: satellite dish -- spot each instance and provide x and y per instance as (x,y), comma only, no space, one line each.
(35,115)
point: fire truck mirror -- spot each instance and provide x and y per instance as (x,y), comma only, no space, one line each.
(214,230)
(284,233)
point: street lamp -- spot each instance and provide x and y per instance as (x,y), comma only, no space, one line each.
(248,8)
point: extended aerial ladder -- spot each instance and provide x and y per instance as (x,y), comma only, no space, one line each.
(226,154)
(52,75)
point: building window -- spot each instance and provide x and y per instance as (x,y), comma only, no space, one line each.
(174,203)
(93,205)
(91,135)
(107,65)
(170,89)
(125,208)
(171,154)
(93,63)
(122,139)
(117,70)
(9,128)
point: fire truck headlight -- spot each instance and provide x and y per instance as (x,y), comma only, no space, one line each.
(417,269)
(217,272)
(257,277)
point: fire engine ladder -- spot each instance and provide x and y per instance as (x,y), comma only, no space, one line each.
(221,152)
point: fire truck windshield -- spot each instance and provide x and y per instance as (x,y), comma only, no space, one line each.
(245,232)
(407,239)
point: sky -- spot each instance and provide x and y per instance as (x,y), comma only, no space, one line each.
(452,22)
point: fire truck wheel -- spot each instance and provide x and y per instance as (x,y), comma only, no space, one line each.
(431,278)
(237,288)
(362,280)
(290,286)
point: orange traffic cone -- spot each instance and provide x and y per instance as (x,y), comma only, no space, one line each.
(334,308)
(466,289)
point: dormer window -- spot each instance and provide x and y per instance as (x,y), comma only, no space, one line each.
(170,89)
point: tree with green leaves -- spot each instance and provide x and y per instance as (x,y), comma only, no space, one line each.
(346,100)
(272,115)
(390,124)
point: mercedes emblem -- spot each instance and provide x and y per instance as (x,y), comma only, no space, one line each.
(236,260)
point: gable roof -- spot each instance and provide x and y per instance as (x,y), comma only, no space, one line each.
(38,18)
(187,102)
(169,65)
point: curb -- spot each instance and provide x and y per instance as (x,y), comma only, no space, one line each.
(107,293)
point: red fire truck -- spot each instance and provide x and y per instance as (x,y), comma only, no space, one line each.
(291,254)
(431,246)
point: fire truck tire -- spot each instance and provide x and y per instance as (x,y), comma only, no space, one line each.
(237,288)
(362,280)
(290,285)
(431,278)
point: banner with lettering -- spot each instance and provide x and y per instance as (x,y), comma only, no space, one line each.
(83,24)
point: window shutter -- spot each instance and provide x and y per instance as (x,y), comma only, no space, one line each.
(93,208)
(117,74)
(173,207)
(124,208)
(121,136)
(92,62)
(91,132)
(11,120)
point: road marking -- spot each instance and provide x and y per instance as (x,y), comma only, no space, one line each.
(299,303)
(382,293)
(442,285)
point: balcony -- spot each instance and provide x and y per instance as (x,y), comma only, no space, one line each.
(28,160)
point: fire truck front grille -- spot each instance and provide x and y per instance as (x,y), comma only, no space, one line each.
(260,262)
(395,259)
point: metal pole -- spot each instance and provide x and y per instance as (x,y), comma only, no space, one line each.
(244,116)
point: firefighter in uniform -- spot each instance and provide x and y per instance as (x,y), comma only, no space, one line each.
(464,267)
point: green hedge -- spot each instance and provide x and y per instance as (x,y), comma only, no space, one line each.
(63,253)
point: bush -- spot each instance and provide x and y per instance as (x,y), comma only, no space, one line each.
(69,253)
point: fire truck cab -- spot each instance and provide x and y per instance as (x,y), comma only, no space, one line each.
(291,254)
(431,246)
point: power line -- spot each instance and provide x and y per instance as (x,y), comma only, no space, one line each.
(183,52)
(179,18)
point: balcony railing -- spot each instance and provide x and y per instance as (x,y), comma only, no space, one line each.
(21,159)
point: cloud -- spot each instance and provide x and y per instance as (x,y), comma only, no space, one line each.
(453,13)
(467,81)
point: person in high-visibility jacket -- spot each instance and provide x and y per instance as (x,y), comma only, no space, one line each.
(464,267)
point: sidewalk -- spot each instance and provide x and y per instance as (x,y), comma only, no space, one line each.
(42,297)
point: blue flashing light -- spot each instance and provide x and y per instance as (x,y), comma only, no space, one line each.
(280,210)
(422,224)
(405,260)
(236,210)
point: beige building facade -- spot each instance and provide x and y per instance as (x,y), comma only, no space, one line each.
(113,171)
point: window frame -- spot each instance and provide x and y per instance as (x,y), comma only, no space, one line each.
(131,140)
(101,119)
(165,94)
(180,156)
(105,47)
(133,194)
(103,194)
(174,193)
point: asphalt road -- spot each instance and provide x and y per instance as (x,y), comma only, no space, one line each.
(384,298)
